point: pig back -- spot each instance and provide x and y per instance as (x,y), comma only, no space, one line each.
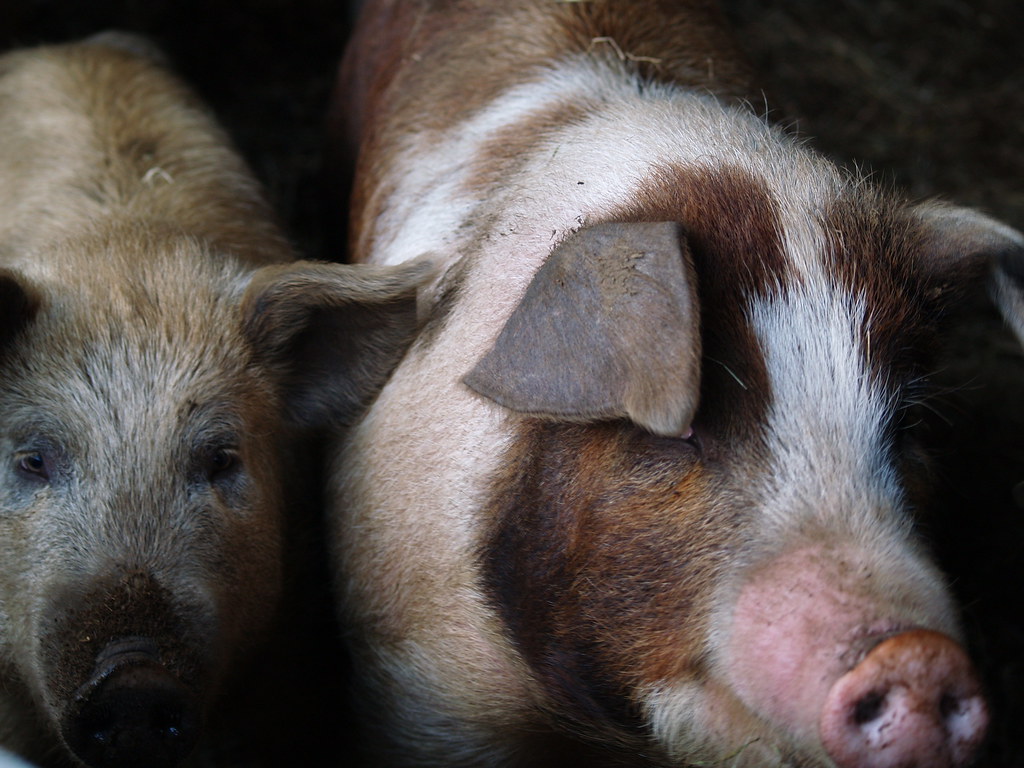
(104,129)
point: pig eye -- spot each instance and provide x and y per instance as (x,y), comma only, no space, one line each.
(692,439)
(688,440)
(220,462)
(683,448)
(35,464)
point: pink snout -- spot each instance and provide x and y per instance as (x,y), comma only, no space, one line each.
(913,702)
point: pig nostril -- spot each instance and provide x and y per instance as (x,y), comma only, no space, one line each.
(949,706)
(914,700)
(167,728)
(164,730)
(140,714)
(868,708)
(101,738)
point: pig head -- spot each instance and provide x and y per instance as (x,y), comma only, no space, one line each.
(154,369)
(659,505)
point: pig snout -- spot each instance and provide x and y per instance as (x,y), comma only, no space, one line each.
(852,649)
(128,668)
(914,700)
(132,711)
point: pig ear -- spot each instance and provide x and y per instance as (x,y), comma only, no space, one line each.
(1009,290)
(957,234)
(334,331)
(608,328)
(18,304)
(130,42)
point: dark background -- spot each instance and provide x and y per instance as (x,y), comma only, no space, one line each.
(927,94)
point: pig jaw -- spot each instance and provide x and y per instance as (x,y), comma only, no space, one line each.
(824,650)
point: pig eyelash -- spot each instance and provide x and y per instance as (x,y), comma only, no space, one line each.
(917,399)
(690,441)
(692,438)
(935,403)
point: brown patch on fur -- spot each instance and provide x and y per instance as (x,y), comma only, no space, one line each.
(731,223)
(500,157)
(877,248)
(687,43)
(604,542)
(408,53)
(727,214)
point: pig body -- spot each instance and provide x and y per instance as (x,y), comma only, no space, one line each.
(640,492)
(154,335)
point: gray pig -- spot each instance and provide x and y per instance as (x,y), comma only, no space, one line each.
(157,343)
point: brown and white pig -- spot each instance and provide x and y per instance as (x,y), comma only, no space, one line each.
(157,345)
(640,493)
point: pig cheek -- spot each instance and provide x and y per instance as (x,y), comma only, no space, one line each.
(32,568)
(661,645)
(240,562)
(774,660)
(250,579)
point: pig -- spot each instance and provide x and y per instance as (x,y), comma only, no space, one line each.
(160,350)
(642,491)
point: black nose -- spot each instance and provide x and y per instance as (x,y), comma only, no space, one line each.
(139,714)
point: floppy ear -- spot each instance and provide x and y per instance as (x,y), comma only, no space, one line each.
(608,328)
(334,331)
(18,304)
(961,235)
